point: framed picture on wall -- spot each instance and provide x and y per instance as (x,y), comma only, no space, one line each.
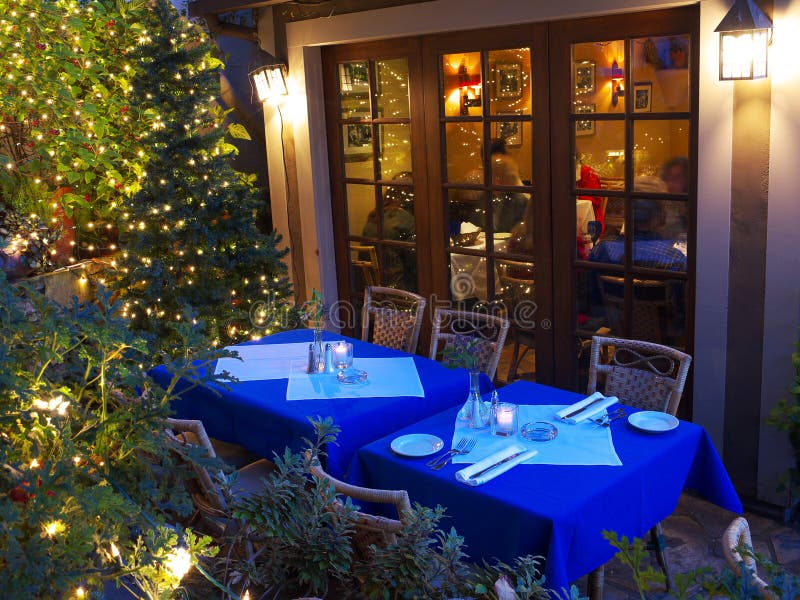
(357,138)
(584,76)
(510,131)
(642,96)
(508,80)
(584,127)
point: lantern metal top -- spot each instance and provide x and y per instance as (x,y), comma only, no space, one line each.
(744,15)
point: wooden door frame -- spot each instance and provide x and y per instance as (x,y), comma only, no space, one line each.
(408,48)
(533,36)
(563,34)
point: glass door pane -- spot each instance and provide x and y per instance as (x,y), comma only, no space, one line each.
(630,192)
(487,129)
(376,147)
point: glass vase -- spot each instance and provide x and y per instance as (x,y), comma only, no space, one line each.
(474,411)
(319,351)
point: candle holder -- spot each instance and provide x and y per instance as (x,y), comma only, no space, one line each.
(505,418)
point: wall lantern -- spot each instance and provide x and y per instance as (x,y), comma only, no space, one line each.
(617,75)
(268,75)
(744,35)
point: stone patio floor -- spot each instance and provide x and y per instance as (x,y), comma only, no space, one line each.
(693,533)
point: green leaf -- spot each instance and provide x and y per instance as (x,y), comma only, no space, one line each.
(238,131)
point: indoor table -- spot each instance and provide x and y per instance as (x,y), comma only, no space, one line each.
(257,415)
(553,511)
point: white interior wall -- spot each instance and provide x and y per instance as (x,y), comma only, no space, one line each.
(307,110)
(782,295)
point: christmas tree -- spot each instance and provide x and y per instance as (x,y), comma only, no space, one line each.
(189,237)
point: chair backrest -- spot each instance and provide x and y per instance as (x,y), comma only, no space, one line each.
(370,529)
(738,534)
(205,490)
(489,330)
(517,287)
(651,301)
(365,257)
(641,374)
(393,317)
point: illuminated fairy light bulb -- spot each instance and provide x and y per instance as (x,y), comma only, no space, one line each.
(114,550)
(80,593)
(53,528)
(35,464)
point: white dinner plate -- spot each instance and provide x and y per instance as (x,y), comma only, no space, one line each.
(416,444)
(653,421)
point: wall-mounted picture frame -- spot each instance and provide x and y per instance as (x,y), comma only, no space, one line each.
(353,77)
(584,127)
(510,131)
(508,80)
(583,73)
(642,96)
(357,138)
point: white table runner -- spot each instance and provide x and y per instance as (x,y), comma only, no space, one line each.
(263,361)
(582,444)
(386,378)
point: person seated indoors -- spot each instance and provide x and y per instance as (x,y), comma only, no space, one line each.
(650,248)
(399,268)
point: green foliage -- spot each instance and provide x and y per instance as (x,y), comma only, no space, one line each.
(78,447)
(189,230)
(305,546)
(785,416)
(65,105)
(462,353)
(703,582)
(633,554)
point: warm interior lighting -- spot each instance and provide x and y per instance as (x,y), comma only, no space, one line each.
(744,35)
(469,87)
(617,76)
(268,75)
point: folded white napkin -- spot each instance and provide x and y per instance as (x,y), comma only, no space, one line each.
(465,475)
(599,404)
(467,227)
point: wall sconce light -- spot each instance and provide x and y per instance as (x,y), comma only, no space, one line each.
(469,88)
(268,74)
(617,76)
(744,35)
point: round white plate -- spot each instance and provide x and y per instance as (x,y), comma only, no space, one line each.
(653,421)
(502,235)
(416,444)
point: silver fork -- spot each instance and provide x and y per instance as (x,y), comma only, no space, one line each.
(459,446)
(465,450)
(605,421)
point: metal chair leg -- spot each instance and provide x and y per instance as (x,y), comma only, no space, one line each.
(659,546)
(595,583)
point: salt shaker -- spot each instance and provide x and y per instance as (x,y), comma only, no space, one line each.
(329,359)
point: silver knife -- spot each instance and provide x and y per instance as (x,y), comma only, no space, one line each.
(583,408)
(497,464)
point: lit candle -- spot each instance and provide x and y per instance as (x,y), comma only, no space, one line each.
(341,354)
(506,419)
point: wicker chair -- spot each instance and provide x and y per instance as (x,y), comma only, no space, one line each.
(490,330)
(647,376)
(518,289)
(209,490)
(641,374)
(365,258)
(651,304)
(738,534)
(393,317)
(369,529)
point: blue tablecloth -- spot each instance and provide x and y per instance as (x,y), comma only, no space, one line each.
(557,512)
(256,414)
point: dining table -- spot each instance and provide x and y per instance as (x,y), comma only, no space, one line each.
(267,412)
(556,511)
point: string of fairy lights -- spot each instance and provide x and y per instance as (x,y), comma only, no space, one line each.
(148,123)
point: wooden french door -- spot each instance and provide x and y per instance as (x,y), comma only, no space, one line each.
(624,101)
(508,170)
